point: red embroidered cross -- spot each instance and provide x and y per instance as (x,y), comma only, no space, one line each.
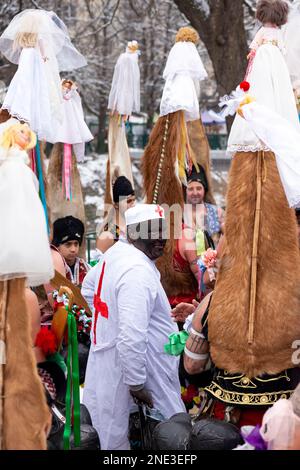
(160,211)
(100,306)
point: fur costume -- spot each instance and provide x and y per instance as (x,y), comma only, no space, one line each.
(255,310)
(169,193)
(60,207)
(277,299)
(174,145)
(25,415)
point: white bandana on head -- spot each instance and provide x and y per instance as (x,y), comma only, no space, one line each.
(143,212)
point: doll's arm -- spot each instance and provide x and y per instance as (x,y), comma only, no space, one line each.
(42,50)
(257,41)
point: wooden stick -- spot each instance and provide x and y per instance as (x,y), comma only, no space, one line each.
(253,278)
(3,305)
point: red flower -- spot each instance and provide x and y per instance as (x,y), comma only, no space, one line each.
(46,340)
(245,85)
(189,393)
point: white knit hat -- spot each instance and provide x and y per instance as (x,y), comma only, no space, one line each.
(142,212)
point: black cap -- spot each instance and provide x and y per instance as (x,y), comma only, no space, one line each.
(199,176)
(122,188)
(67,229)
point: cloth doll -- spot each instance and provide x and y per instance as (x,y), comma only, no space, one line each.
(38,42)
(25,251)
(73,130)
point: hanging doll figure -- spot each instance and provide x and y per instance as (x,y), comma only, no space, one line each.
(254,315)
(73,130)
(25,251)
(38,42)
(124,99)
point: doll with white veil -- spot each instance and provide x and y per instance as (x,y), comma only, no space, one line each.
(39,43)
(124,96)
(123,100)
(25,251)
(267,75)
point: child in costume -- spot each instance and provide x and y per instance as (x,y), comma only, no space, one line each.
(73,130)
(25,251)
(39,43)
(257,291)
(67,237)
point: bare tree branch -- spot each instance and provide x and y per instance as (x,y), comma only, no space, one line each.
(35,4)
(250,7)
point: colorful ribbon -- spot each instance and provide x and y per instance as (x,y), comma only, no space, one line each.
(33,160)
(41,181)
(200,242)
(67,171)
(202,269)
(176,343)
(72,395)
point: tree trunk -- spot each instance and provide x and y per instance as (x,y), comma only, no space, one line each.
(223,33)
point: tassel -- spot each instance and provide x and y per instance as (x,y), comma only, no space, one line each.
(41,181)
(67,171)
(33,161)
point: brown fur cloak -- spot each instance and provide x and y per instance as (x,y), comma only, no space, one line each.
(24,414)
(277,300)
(169,193)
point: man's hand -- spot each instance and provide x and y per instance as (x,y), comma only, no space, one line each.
(183,310)
(142,397)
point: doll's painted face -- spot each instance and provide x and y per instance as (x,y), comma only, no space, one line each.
(67,84)
(22,137)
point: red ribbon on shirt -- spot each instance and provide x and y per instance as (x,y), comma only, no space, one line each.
(100,306)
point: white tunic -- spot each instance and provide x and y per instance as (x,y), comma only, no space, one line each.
(129,345)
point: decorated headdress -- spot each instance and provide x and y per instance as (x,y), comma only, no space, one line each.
(199,176)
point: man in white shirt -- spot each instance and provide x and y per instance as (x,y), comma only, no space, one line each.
(131,324)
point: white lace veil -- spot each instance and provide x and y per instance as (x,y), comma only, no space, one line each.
(291,34)
(50,30)
(184,58)
(124,97)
